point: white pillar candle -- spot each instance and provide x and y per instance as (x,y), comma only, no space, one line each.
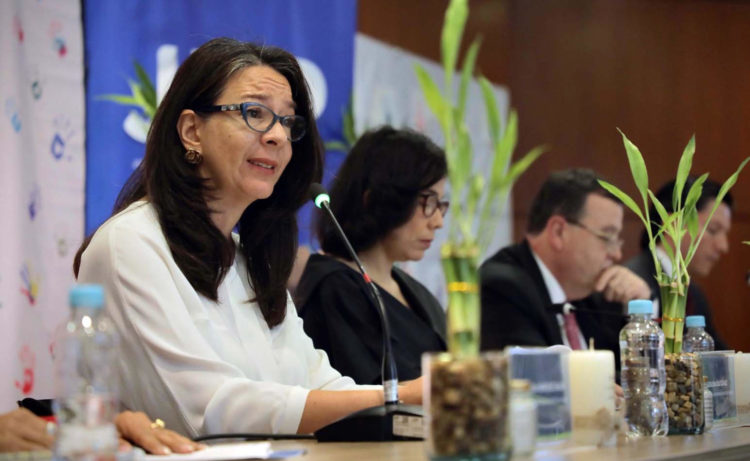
(592,396)
(742,386)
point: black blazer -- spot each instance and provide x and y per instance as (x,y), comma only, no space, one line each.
(334,303)
(516,306)
(643,265)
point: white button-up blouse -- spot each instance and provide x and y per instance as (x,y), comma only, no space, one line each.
(199,365)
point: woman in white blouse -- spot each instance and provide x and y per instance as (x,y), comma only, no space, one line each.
(210,339)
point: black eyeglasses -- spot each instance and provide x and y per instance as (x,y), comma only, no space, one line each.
(261,118)
(613,242)
(430,203)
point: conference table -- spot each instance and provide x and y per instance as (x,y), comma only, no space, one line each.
(716,445)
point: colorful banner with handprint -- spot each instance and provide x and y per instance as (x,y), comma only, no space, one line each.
(42,177)
(133,49)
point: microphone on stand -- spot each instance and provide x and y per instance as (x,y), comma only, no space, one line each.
(393,420)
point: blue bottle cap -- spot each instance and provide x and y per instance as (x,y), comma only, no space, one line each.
(695,321)
(88,295)
(640,306)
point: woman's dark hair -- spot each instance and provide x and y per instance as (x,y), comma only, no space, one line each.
(709,193)
(377,188)
(564,193)
(267,228)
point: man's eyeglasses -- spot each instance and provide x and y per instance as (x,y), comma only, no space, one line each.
(261,119)
(613,242)
(430,203)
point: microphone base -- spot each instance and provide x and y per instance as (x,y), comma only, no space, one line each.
(398,422)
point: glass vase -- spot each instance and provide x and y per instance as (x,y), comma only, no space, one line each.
(466,407)
(684,393)
(460,267)
(673,300)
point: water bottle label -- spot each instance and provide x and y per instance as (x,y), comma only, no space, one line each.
(76,440)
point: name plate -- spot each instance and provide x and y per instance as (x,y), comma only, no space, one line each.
(547,370)
(718,367)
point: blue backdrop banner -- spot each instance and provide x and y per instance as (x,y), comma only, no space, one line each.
(159,35)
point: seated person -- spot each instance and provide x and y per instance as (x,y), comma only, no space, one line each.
(210,339)
(387,197)
(714,243)
(570,252)
(21,430)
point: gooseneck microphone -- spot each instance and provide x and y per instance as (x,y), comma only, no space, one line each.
(392,421)
(390,376)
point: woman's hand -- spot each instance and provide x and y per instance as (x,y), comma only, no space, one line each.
(411,391)
(21,430)
(136,427)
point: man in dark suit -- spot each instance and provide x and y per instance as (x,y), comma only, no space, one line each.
(715,243)
(570,253)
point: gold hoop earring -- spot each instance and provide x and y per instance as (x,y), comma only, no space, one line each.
(193,157)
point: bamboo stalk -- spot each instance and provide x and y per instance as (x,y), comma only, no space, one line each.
(461,277)
(673,298)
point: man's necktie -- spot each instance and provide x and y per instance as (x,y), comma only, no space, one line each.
(572,331)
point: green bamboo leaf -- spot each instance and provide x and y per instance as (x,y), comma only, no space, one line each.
(663,213)
(664,228)
(692,223)
(624,198)
(149,94)
(504,151)
(435,101)
(477,186)
(683,170)
(521,165)
(474,193)
(493,115)
(637,166)
(135,88)
(467,73)
(490,213)
(338,146)
(666,244)
(123,99)
(463,164)
(728,184)
(695,191)
(450,40)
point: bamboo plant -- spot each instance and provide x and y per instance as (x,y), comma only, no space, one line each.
(478,196)
(143,94)
(676,226)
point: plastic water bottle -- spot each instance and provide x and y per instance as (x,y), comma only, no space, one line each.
(523,410)
(643,376)
(87,399)
(696,337)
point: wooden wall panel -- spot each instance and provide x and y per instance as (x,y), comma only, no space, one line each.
(659,70)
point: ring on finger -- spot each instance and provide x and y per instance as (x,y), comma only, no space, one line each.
(157,424)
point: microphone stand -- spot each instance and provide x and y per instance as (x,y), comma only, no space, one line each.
(393,420)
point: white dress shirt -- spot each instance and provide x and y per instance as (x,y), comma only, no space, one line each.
(199,365)
(557,296)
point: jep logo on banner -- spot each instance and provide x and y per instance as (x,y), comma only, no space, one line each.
(157,36)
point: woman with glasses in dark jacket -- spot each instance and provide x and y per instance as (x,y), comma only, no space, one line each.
(388,197)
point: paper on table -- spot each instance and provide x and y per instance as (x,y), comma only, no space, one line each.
(228,451)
